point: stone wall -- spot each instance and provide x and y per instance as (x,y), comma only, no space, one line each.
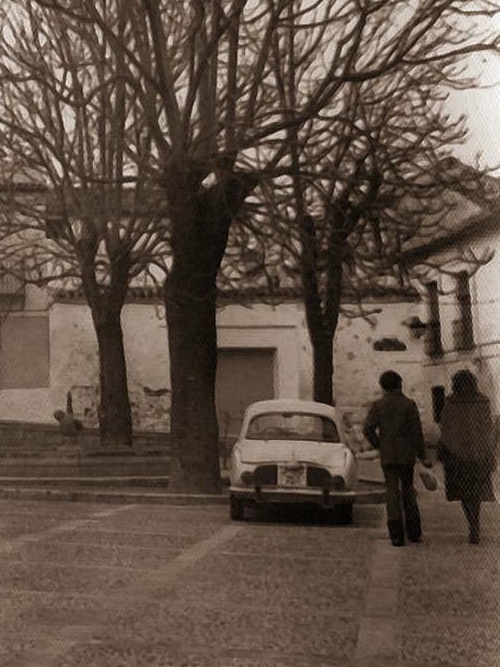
(150,408)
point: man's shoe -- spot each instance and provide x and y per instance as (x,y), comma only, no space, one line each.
(414,530)
(398,543)
(396,532)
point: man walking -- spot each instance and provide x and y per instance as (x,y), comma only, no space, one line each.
(393,427)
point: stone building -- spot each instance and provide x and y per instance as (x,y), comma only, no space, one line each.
(461,328)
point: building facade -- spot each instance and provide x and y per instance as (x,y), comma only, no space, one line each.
(463,315)
(49,348)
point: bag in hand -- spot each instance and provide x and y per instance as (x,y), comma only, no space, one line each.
(428,478)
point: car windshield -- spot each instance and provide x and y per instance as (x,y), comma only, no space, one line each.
(292,426)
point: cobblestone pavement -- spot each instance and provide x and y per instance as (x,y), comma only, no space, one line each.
(127,585)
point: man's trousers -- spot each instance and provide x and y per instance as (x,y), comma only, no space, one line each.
(403,514)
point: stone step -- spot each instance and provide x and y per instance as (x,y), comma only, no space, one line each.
(101,482)
(118,495)
(75,466)
(19,438)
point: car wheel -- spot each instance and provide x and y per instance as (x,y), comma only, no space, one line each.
(237,509)
(344,514)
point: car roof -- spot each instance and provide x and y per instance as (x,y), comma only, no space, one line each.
(292,405)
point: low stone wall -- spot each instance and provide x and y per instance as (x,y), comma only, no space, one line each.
(31,440)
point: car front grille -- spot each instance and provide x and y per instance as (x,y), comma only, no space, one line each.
(318,477)
(266,475)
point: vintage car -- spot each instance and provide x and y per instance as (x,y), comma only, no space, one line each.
(292,451)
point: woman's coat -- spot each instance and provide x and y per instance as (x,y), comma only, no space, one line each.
(467,448)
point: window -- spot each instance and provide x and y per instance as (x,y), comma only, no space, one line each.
(463,330)
(24,352)
(292,426)
(434,344)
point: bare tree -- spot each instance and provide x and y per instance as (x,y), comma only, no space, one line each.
(204,73)
(78,205)
(372,190)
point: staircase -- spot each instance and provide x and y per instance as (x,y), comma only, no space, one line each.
(40,455)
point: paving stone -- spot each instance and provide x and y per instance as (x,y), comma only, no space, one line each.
(266,593)
(153,540)
(106,555)
(130,586)
(286,631)
(347,545)
(164,655)
(16,636)
(469,572)
(22,576)
(60,510)
(287,567)
(24,603)
(460,602)
(438,643)
(200,521)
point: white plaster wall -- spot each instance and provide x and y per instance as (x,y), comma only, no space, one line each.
(146,346)
(358,365)
(485,289)
(74,351)
(36,298)
(29,405)
(74,356)
(146,353)
(279,327)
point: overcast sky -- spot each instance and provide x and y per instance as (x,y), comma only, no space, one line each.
(482,107)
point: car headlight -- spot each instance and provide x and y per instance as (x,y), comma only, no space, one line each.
(247,477)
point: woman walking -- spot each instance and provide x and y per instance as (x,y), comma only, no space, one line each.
(467,449)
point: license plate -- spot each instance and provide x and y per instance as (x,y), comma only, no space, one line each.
(292,476)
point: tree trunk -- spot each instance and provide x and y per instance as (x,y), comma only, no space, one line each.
(322,314)
(115,418)
(200,225)
(193,361)
(190,305)
(322,347)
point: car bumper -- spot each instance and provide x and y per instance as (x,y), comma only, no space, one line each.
(267,495)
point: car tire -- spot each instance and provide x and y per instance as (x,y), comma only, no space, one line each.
(344,514)
(236,509)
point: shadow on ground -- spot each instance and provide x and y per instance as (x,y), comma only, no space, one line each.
(364,516)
